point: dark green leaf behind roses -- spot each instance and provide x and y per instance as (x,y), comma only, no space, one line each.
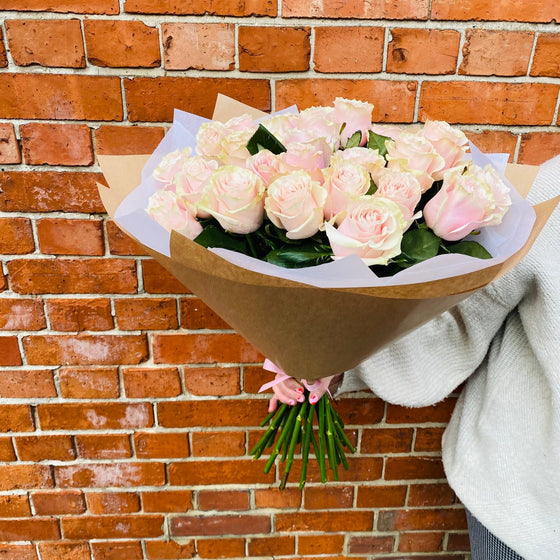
(471,248)
(377,142)
(263,139)
(420,244)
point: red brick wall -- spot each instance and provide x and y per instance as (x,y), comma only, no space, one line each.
(121,438)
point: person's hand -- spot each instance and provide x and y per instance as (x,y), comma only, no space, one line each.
(288,391)
(319,387)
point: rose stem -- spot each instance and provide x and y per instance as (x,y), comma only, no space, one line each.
(320,458)
(307,433)
(295,433)
(283,436)
(330,440)
(340,430)
(271,430)
(321,418)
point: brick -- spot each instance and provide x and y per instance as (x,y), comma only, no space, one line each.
(100,503)
(3,284)
(46,42)
(117,550)
(142,383)
(170,550)
(370,545)
(50,191)
(154,99)
(9,147)
(85,349)
(242,471)
(161,445)
(127,140)
(403,468)
(121,44)
(546,60)
(538,147)
(9,351)
(59,502)
(100,416)
(103,446)
(59,236)
(278,499)
(272,546)
(63,6)
(254,377)
(146,314)
(382,440)
(327,544)
(515,49)
(359,9)
(381,496)
(3,56)
(426,495)
(120,243)
(16,236)
(203,7)
(219,525)
(232,500)
(68,550)
(16,418)
(18,552)
(274,49)
(113,526)
(7,453)
(56,144)
(86,314)
(393,100)
(420,542)
(218,444)
(360,412)
(458,542)
(501,10)
(494,141)
(214,381)
(22,314)
(422,520)
(167,501)
(195,314)
(198,46)
(325,522)
(88,383)
(440,412)
(489,103)
(16,505)
(60,97)
(335,497)
(106,475)
(35,529)
(23,477)
(348,49)
(41,448)
(157,280)
(220,548)
(407,51)
(428,439)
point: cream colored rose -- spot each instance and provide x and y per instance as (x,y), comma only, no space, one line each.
(295,203)
(366,157)
(233,148)
(402,188)
(265,164)
(189,182)
(355,115)
(449,142)
(345,183)
(170,164)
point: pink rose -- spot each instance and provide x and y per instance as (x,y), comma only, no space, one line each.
(189,182)
(345,182)
(295,203)
(234,196)
(449,142)
(209,138)
(467,201)
(265,164)
(372,229)
(170,164)
(241,123)
(233,147)
(309,156)
(402,188)
(389,130)
(365,157)
(319,121)
(415,154)
(169,211)
(280,125)
(356,115)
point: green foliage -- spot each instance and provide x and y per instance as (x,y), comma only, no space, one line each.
(263,139)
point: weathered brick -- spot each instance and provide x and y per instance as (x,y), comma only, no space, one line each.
(161,445)
(481,45)
(16,505)
(274,498)
(218,444)
(426,495)
(422,519)
(428,439)
(3,56)
(63,6)
(327,544)
(458,542)
(420,542)
(88,382)
(26,384)
(154,99)
(500,10)
(381,496)
(223,500)
(402,468)
(40,448)
(362,9)
(61,97)
(169,550)
(219,525)
(9,147)
(18,552)
(117,550)
(22,314)
(119,44)
(157,280)
(199,46)
(59,236)
(494,141)
(23,477)
(16,236)
(407,51)
(370,545)
(382,440)
(204,473)
(202,7)
(16,418)
(113,526)
(328,522)
(46,42)
(127,140)
(35,529)
(122,244)
(7,453)
(440,412)
(106,475)
(9,351)
(393,100)
(142,383)
(55,550)
(59,502)
(80,314)
(103,446)
(220,548)
(348,49)
(274,49)
(360,411)
(546,60)
(214,381)
(195,314)
(336,497)
(146,314)
(167,501)
(100,503)
(538,147)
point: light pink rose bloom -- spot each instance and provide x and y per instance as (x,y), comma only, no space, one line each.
(169,211)
(241,123)
(449,142)
(402,188)
(265,164)
(389,130)
(345,183)
(372,229)
(209,138)
(309,156)
(170,164)
(370,159)
(234,196)
(295,203)
(355,114)
(320,123)
(467,201)
(233,148)
(280,126)
(414,153)
(189,182)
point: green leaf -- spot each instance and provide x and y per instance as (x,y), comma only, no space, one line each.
(263,139)
(298,257)
(214,236)
(354,140)
(471,248)
(377,142)
(420,244)
(372,187)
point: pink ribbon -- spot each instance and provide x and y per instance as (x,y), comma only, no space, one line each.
(282,376)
